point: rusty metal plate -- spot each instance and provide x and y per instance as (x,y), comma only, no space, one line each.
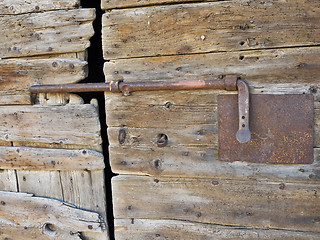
(281,129)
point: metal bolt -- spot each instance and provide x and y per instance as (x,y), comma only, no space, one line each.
(71,66)
(50,49)
(214,182)
(54,64)
(90,227)
(162,140)
(156,180)
(311,176)
(282,186)
(198,214)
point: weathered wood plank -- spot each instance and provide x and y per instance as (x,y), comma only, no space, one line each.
(291,65)
(110,4)
(202,162)
(45,216)
(86,189)
(250,204)
(40,183)
(26,158)
(46,33)
(209,27)
(8,180)
(19,7)
(69,126)
(145,229)
(17,75)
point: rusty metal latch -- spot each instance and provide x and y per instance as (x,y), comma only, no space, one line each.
(228,82)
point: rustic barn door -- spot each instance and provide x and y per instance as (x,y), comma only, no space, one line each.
(51,161)
(182,190)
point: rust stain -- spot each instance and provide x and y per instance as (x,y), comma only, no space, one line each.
(281,128)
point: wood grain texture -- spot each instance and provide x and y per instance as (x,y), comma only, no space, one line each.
(8,180)
(252,204)
(145,229)
(18,7)
(86,189)
(45,216)
(110,4)
(26,158)
(258,67)
(17,75)
(69,126)
(210,27)
(202,162)
(53,32)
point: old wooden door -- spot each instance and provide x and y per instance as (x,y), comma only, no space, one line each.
(182,190)
(51,161)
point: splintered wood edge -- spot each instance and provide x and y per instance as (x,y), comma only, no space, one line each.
(46,213)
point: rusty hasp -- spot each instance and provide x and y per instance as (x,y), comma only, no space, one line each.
(228,82)
(281,129)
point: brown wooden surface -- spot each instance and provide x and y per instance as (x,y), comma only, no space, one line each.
(17,75)
(30,158)
(261,68)
(19,7)
(252,204)
(33,214)
(210,27)
(69,126)
(145,229)
(110,4)
(44,33)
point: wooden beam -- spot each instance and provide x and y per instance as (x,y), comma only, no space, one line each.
(17,75)
(46,33)
(250,204)
(44,216)
(26,158)
(210,27)
(259,67)
(69,126)
(19,7)
(111,4)
(146,229)
(202,162)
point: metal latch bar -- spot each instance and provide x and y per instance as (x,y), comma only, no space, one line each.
(228,82)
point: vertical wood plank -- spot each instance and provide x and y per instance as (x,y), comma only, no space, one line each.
(8,180)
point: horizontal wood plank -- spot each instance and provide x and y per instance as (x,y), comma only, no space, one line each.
(44,216)
(69,126)
(251,204)
(52,32)
(111,4)
(210,27)
(26,158)
(259,67)
(17,75)
(145,229)
(202,162)
(19,7)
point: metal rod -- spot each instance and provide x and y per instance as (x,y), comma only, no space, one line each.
(227,83)
(66,88)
